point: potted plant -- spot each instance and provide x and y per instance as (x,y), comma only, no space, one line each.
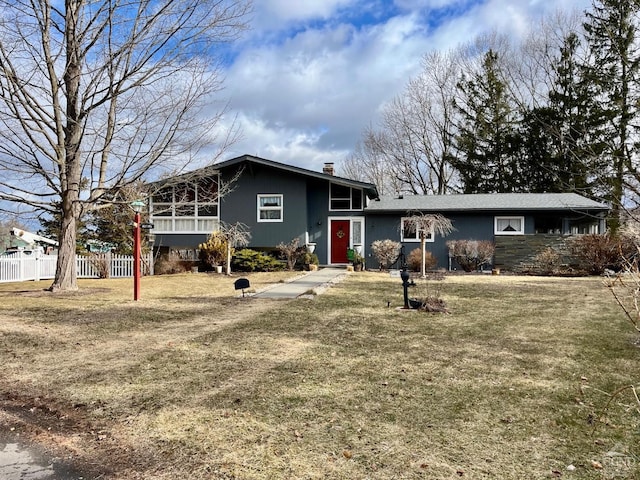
(358,262)
(310,261)
(214,251)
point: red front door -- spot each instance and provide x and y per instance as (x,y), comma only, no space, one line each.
(339,240)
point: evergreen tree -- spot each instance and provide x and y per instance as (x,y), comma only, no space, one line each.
(614,69)
(562,141)
(487,139)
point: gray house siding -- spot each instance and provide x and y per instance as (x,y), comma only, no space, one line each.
(305,205)
(241,205)
(317,213)
(179,241)
(512,249)
(380,227)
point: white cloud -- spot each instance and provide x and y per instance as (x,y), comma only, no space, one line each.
(287,10)
(305,90)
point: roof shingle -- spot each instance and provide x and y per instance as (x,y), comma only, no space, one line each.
(484,201)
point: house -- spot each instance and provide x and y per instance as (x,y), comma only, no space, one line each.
(280,202)
(519,224)
(277,202)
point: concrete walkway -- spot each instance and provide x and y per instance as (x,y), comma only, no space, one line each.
(313,281)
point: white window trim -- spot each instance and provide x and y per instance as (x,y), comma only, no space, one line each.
(197,219)
(279,208)
(508,217)
(429,239)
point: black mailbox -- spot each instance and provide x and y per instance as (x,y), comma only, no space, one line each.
(241,284)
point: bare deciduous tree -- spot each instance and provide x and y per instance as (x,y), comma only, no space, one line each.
(237,235)
(428,224)
(94,95)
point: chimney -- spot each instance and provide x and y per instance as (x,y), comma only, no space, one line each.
(328,168)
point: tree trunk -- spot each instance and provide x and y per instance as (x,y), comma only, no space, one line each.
(423,247)
(70,166)
(66,270)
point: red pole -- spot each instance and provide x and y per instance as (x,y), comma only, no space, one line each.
(136,257)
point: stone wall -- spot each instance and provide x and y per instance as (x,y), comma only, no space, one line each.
(517,252)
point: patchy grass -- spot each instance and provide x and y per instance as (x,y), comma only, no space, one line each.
(192,382)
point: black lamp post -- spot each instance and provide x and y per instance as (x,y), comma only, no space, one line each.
(404,275)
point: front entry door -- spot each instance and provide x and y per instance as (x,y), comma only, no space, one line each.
(339,240)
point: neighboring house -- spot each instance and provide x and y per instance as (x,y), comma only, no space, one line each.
(279,202)
(21,240)
(520,224)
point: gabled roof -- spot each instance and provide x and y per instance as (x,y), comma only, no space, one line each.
(370,189)
(484,201)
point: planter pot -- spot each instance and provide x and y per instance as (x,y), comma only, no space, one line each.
(218,268)
(312,267)
(414,304)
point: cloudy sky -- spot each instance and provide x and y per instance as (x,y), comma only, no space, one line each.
(310,75)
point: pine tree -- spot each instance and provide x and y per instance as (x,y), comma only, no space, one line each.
(562,140)
(487,140)
(614,69)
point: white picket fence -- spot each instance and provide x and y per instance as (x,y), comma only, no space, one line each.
(21,266)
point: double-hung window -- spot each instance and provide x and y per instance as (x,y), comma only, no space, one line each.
(509,225)
(410,233)
(270,208)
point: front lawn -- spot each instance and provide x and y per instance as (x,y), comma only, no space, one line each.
(193,382)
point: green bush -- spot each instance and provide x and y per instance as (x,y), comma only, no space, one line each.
(248,260)
(307,258)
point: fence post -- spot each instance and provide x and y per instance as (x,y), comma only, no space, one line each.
(36,265)
(22,263)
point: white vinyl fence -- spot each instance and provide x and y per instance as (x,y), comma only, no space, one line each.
(21,266)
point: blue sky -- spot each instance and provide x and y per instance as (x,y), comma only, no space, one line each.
(310,75)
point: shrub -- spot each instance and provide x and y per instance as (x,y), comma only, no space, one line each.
(414,260)
(548,261)
(291,252)
(247,260)
(214,251)
(471,254)
(101,263)
(308,258)
(386,252)
(169,264)
(596,253)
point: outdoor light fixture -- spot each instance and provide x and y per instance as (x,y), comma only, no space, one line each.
(137,206)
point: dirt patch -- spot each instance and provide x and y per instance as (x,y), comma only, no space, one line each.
(47,293)
(66,434)
(65,340)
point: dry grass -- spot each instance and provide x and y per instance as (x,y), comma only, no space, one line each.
(192,382)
